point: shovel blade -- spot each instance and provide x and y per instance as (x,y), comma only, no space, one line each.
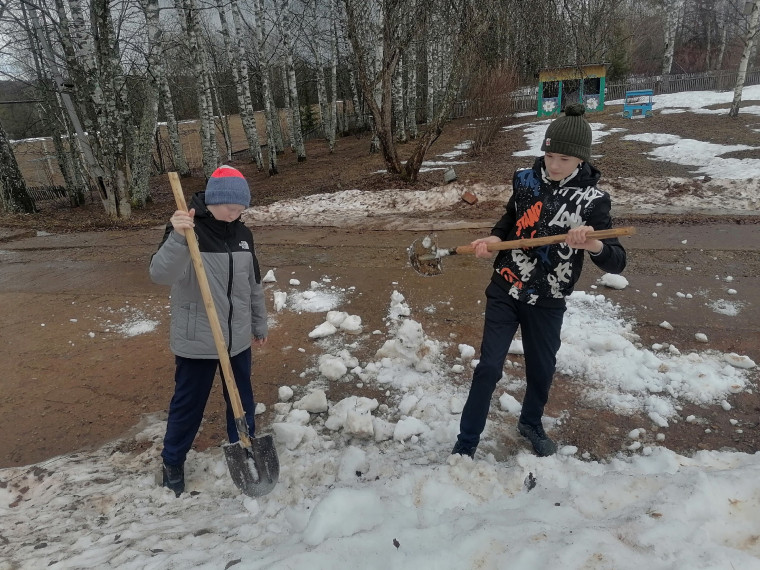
(255,469)
(423,256)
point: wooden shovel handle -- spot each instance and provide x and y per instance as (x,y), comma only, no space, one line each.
(548,240)
(213,316)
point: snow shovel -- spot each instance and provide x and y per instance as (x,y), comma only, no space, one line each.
(425,256)
(252,462)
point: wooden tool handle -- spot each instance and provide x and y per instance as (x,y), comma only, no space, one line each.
(548,240)
(213,316)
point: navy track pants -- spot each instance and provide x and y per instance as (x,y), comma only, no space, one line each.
(193,378)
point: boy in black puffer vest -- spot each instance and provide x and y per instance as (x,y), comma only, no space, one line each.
(528,286)
(227,251)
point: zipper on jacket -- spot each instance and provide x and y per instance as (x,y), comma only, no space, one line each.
(229,287)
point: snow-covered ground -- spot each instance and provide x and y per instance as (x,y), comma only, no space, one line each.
(370,485)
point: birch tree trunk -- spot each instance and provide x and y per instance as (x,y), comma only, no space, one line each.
(324,114)
(289,140)
(358,110)
(291,87)
(433,67)
(749,42)
(221,118)
(123,128)
(15,196)
(142,150)
(114,149)
(382,91)
(673,10)
(279,142)
(410,93)
(73,65)
(69,157)
(258,28)
(178,153)
(350,64)
(249,119)
(333,76)
(210,157)
(398,101)
(295,111)
(722,33)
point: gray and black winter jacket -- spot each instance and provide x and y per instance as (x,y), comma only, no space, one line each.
(227,251)
(541,207)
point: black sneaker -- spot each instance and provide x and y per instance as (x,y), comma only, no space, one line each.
(463,449)
(542,445)
(174,478)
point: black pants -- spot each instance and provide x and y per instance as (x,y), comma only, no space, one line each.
(193,379)
(541,328)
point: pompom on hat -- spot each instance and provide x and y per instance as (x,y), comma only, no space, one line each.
(227,185)
(569,135)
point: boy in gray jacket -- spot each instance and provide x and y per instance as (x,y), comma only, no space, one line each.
(227,251)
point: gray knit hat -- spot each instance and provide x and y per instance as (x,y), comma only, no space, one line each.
(227,185)
(570,135)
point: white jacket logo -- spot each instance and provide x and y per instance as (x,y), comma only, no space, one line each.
(244,245)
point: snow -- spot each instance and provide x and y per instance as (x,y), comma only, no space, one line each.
(613,281)
(372,486)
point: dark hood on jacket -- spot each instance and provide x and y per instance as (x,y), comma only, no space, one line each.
(198,202)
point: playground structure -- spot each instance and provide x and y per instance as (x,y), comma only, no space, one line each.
(638,102)
(562,86)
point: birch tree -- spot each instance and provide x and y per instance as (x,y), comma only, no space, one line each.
(721,24)
(350,65)
(15,196)
(191,28)
(289,81)
(172,128)
(410,93)
(398,101)
(318,41)
(244,85)
(332,127)
(673,10)
(753,26)
(234,69)
(433,61)
(221,117)
(146,129)
(288,108)
(260,50)
(114,144)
